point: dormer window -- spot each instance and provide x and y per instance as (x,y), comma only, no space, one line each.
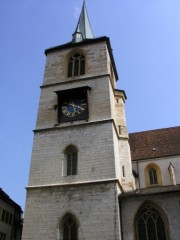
(76,65)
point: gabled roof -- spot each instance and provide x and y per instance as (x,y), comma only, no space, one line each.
(155,143)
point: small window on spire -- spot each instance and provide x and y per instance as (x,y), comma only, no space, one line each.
(76,65)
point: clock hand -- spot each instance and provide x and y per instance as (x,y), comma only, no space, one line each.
(72,105)
(75,106)
(79,107)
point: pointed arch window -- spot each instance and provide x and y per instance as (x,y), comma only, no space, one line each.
(69,228)
(71,160)
(76,65)
(150,225)
(153,175)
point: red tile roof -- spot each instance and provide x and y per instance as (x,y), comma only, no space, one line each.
(155,143)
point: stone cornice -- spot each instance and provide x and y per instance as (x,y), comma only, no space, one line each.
(71,184)
(74,80)
(60,126)
(151,191)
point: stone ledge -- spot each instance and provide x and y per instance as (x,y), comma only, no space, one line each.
(74,80)
(115,180)
(60,126)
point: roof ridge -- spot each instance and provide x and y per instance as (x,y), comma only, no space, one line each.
(154,130)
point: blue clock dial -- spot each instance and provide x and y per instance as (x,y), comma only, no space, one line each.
(73,107)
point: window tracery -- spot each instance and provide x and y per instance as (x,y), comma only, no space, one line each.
(153,175)
(150,224)
(76,65)
(69,228)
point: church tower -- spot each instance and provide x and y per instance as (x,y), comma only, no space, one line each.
(81,157)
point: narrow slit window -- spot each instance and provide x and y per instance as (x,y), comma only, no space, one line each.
(71,159)
(153,176)
(123,171)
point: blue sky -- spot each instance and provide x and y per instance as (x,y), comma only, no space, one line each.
(145,37)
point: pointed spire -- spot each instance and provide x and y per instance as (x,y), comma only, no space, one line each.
(83,29)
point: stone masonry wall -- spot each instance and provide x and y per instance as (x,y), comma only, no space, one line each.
(169,203)
(95,154)
(98,102)
(163,163)
(56,63)
(95,207)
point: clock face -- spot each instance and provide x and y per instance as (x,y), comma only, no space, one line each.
(73,108)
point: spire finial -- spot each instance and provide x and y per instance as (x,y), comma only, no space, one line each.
(83,29)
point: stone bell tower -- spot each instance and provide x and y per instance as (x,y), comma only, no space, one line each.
(81,157)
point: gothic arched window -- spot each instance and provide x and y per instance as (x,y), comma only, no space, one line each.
(76,65)
(150,225)
(153,175)
(69,228)
(71,160)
